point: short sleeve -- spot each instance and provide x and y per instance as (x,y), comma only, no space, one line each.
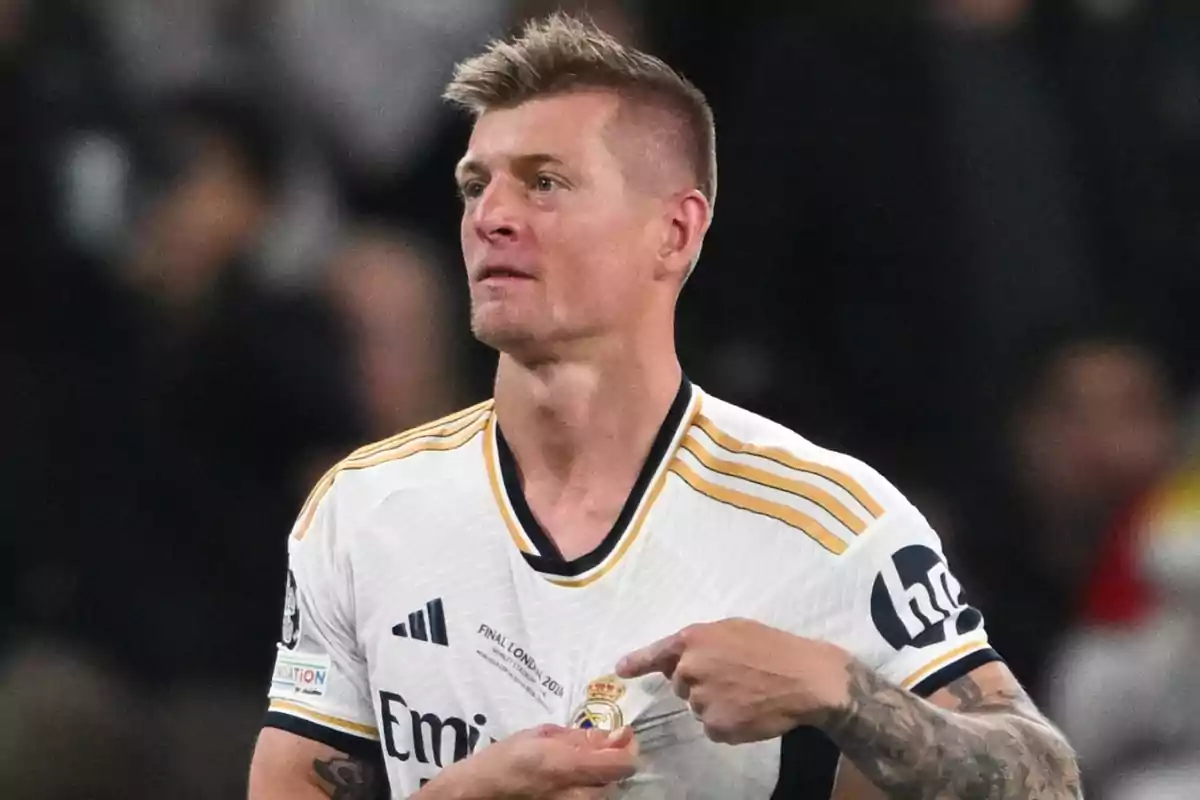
(319,686)
(909,618)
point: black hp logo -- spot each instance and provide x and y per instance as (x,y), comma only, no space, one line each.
(916,602)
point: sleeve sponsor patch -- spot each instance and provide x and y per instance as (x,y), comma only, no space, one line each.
(303,674)
(916,602)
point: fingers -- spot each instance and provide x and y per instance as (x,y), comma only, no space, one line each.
(661,656)
(620,739)
(585,762)
(592,738)
(549,731)
(600,767)
(557,759)
(587,793)
(681,684)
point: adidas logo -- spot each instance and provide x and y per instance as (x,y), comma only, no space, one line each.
(416,627)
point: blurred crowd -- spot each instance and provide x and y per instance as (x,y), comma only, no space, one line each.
(959,239)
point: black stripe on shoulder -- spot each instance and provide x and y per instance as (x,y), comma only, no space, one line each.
(955,670)
(807,765)
(348,743)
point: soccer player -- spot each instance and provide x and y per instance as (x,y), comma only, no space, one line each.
(602,578)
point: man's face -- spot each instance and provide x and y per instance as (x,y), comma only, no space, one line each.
(558,246)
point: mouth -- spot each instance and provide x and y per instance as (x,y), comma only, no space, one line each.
(502,272)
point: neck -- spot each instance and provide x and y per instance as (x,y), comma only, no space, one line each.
(579,420)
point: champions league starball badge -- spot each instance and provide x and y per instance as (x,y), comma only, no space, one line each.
(290,636)
(600,709)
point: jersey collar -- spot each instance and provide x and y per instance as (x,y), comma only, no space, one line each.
(536,545)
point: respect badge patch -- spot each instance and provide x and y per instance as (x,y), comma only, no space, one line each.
(301,673)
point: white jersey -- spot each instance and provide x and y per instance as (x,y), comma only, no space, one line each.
(428,614)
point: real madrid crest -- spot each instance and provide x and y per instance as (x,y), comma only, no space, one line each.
(600,709)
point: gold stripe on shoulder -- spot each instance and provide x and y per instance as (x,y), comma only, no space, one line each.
(311,715)
(814,494)
(441,430)
(784,458)
(462,435)
(446,436)
(928,669)
(747,502)
(318,491)
(399,438)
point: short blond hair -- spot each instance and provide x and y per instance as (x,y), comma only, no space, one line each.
(560,53)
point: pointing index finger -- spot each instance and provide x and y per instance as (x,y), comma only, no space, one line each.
(661,656)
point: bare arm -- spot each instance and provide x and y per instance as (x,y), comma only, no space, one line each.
(979,737)
(547,761)
(289,767)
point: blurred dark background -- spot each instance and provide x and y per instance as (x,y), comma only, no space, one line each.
(959,239)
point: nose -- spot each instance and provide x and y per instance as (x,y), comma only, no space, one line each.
(496,215)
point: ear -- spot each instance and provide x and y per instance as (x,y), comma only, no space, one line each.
(687,217)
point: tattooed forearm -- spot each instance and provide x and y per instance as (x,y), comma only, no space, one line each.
(971,699)
(993,747)
(352,779)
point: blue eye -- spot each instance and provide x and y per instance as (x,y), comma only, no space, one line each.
(545,183)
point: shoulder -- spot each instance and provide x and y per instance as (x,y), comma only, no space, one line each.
(742,458)
(410,459)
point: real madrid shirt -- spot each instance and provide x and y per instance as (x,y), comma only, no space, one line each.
(428,614)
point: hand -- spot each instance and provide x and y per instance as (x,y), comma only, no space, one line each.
(744,680)
(548,762)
